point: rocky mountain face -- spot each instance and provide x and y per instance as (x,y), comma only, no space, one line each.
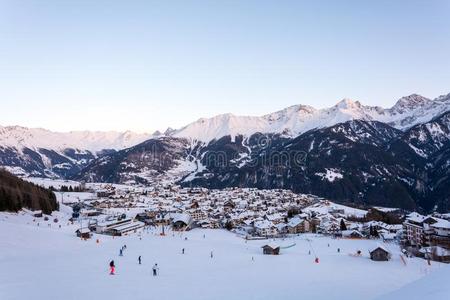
(348,162)
(137,164)
(44,162)
(43,153)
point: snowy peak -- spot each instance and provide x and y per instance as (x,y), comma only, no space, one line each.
(444,98)
(411,102)
(22,137)
(348,104)
(207,129)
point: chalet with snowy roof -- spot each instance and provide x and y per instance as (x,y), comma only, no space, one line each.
(275,218)
(271,249)
(352,234)
(265,228)
(413,229)
(84,233)
(380,253)
(298,225)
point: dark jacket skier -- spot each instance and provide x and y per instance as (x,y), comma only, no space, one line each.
(155,270)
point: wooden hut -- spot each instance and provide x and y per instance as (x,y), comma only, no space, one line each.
(271,249)
(84,233)
(379,253)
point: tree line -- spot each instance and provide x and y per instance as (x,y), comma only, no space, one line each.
(16,194)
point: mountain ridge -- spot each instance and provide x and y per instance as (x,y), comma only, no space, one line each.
(294,120)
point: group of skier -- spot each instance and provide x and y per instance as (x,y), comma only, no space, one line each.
(122,249)
(112,266)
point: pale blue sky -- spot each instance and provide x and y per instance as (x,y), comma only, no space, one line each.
(146,65)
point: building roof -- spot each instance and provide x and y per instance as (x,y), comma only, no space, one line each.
(379,246)
(272,245)
(185,218)
(295,221)
(264,224)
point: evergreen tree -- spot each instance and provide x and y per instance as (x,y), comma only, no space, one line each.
(343,226)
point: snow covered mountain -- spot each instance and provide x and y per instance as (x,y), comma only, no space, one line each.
(21,137)
(40,152)
(294,120)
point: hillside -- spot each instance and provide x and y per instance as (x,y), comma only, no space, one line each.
(16,194)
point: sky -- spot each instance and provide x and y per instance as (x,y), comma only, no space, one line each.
(147,65)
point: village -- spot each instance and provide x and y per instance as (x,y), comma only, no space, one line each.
(253,214)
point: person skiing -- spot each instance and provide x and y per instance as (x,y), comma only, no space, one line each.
(120,252)
(182,251)
(139,259)
(339,250)
(212,254)
(112,267)
(155,270)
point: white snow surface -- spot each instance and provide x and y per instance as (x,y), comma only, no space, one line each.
(432,287)
(48,262)
(331,175)
(325,207)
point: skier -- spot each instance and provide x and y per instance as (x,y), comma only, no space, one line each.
(155,270)
(339,250)
(211,254)
(120,252)
(112,267)
(139,259)
(182,251)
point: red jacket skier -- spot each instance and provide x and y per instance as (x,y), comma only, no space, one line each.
(112,267)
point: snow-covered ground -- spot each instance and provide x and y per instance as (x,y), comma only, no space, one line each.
(48,182)
(48,262)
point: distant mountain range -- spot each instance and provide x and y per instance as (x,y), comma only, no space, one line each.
(297,119)
(349,153)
